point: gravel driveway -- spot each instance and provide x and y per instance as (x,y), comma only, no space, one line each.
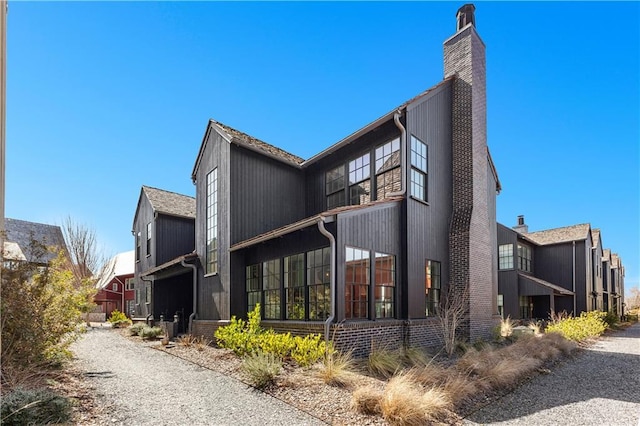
(600,387)
(143,386)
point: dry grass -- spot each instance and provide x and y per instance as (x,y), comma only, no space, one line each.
(565,346)
(366,400)
(507,372)
(385,363)
(337,369)
(506,327)
(187,340)
(406,402)
(430,375)
(416,357)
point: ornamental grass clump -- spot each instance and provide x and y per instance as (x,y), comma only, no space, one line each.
(136,328)
(261,368)
(385,363)
(366,400)
(337,368)
(149,333)
(34,407)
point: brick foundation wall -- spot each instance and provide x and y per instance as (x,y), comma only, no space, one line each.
(207,328)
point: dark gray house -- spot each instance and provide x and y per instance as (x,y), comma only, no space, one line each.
(560,269)
(362,239)
(164,233)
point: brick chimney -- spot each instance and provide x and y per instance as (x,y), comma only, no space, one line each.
(521,227)
(472,235)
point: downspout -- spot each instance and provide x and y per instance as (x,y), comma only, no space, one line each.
(149,280)
(195,293)
(332,243)
(403,156)
(574,279)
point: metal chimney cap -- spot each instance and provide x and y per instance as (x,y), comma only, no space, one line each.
(465,15)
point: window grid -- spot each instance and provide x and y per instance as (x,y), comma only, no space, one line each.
(254,290)
(212,222)
(294,286)
(418,169)
(138,243)
(388,182)
(357,283)
(385,282)
(359,181)
(271,289)
(432,287)
(505,256)
(524,258)
(318,282)
(335,184)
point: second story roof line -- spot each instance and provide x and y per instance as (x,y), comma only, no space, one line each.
(561,235)
(170,203)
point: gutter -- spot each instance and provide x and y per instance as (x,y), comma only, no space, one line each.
(403,157)
(332,243)
(149,280)
(195,293)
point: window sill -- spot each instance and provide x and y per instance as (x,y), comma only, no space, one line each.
(426,203)
(148,255)
(212,274)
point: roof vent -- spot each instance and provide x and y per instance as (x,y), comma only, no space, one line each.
(465,16)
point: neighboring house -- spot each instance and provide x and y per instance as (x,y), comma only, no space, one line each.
(617,284)
(163,228)
(37,243)
(364,237)
(554,270)
(116,288)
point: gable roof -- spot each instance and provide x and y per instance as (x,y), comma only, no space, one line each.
(119,265)
(170,203)
(560,235)
(595,237)
(22,233)
(615,260)
(606,255)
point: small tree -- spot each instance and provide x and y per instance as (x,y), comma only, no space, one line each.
(451,314)
(87,259)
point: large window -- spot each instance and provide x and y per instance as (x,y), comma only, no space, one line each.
(212,222)
(318,281)
(418,169)
(359,181)
(385,282)
(357,283)
(254,289)
(432,287)
(505,256)
(335,188)
(388,173)
(271,288)
(149,239)
(294,286)
(524,258)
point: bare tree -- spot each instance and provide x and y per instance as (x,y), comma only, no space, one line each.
(452,313)
(633,298)
(87,259)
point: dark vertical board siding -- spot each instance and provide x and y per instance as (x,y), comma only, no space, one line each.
(175,236)
(374,229)
(144,216)
(213,291)
(428,225)
(508,279)
(265,194)
(583,275)
(491,192)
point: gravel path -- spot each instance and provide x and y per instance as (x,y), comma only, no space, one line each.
(600,387)
(143,386)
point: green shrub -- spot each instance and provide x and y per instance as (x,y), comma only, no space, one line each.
(308,350)
(261,368)
(137,328)
(632,318)
(278,344)
(588,324)
(148,333)
(119,319)
(241,336)
(34,407)
(611,318)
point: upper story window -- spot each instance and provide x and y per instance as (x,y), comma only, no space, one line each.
(418,169)
(335,182)
(385,283)
(505,256)
(138,236)
(114,287)
(524,258)
(149,239)
(388,173)
(432,287)
(212,222)
(129,283)
(359,180)
(356,283)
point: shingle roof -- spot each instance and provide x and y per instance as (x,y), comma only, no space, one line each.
(606,255)
(595,236)
(560,235)
(171,203)
(615,260)
(23,233)
(253,143)
(118,265)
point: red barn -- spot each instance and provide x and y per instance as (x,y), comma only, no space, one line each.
(116,286)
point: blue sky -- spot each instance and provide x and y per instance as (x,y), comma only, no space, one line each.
(105,97)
